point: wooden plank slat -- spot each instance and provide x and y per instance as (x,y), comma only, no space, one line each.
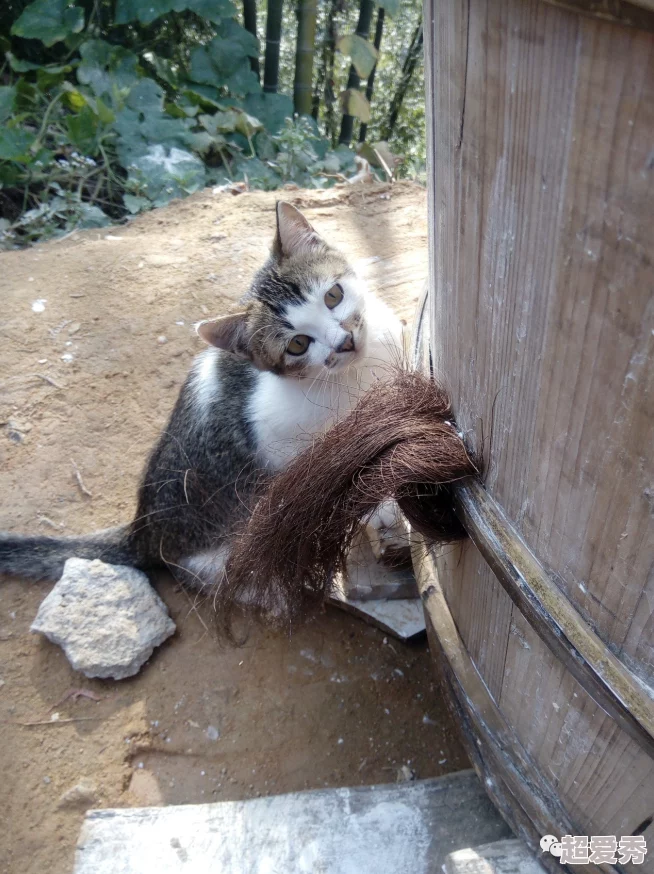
(541,128)
(552,616)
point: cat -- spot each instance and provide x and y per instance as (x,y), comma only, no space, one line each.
(309,340)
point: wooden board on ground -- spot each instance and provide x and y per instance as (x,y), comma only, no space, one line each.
(403,618)
(365,830)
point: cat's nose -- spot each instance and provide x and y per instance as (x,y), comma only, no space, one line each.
(347,345)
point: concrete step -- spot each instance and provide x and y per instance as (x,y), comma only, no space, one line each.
(501,857)
(405,828)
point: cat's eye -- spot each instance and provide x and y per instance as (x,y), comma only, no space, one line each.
(298,345)
(333,297)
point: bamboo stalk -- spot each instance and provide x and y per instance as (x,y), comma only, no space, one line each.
(410,63)
(363,29)
(307,13)
(250,23)
(273,40)
(370,84)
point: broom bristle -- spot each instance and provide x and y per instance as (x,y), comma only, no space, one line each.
(399,442)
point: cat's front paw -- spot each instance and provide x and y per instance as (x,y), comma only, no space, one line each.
(389,535)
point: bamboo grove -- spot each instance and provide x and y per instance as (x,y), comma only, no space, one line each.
(112,107)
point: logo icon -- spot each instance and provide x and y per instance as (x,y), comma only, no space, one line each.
(582,850)
(550,844)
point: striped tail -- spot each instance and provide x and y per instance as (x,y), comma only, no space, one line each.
(43,558)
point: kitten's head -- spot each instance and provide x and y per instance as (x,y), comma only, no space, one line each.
(305,310)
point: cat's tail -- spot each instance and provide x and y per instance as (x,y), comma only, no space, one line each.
(43,558)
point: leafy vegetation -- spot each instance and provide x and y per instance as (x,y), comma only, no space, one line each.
(112,107)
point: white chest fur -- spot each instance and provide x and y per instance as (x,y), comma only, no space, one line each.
(286,413)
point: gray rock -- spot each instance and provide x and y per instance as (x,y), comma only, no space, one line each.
(107,618)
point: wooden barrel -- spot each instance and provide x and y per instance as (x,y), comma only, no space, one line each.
(541,323)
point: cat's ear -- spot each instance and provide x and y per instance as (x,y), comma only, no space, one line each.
(294,233)
(228,333)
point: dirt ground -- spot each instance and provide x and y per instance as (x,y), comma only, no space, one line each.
(95,340)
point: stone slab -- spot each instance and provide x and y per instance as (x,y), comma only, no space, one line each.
(407,828)
(403,618)
(501,857)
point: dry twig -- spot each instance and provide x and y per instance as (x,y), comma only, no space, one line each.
(80,481)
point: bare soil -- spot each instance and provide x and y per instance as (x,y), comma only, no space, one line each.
(88,377)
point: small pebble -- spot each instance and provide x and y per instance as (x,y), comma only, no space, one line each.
(405,774)
(47,780)
(161,339)
(212,732)
(83,794)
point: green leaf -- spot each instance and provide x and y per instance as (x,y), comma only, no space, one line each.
(11,174)
(105,114)
(144,122)
(201,69)
(104,67)
(51,75)
(353,102)
(223,62)
(225,122)
(212,10)
(243,81)
(135,204)
(147,11)
(7,97)
(91,216)
(379,155)
(146,97)
(73,98)
(15,145)
(391,6)
(362,53)
(271,109)
(231,31)
(164,69)
(83,130)
(248,125)
(203,142)
(162,175)
(258,174)
(346,157)
(19,66)
(50,21)
(203,95)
